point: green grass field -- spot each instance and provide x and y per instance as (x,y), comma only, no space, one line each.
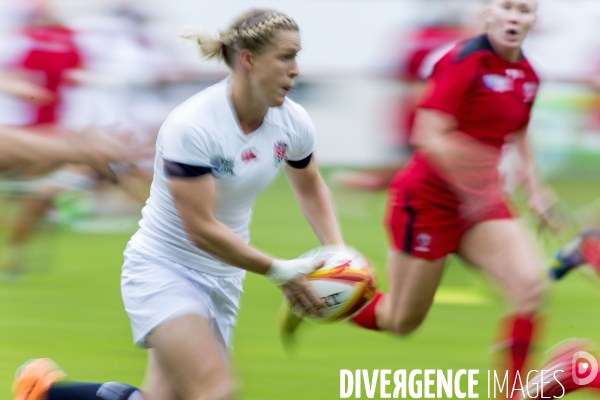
(72,312)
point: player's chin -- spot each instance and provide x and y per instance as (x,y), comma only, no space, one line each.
(277,101)
(513,43)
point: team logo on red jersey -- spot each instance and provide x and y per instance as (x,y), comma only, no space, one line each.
(249,155)
(498,83)
(423,242)
(280,150)
(529,91)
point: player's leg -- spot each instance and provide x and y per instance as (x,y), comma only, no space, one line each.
(413,282)
(24,227)
(412,285)
(42,379)
(421,235)
(503,250)
(585,248)
(33,208)
(156,382)
(185,317)
(191,359)
(94,391)
(570,367)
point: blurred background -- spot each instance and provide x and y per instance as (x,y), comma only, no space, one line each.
(67,65)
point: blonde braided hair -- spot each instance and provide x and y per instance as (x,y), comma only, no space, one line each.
(252,30)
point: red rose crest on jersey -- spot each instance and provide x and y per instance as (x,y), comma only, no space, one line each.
(249,155)
(280,150)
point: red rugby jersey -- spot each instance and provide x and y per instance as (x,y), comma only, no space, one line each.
(490,98)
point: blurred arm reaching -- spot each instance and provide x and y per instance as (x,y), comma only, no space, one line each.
(14,85)
(25,154)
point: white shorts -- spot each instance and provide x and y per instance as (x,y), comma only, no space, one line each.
(156,290)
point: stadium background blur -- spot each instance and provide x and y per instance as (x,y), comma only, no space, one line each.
(67,305)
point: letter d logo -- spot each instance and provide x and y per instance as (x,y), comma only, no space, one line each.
(581,368)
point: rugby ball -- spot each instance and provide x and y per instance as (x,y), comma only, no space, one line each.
(345,283)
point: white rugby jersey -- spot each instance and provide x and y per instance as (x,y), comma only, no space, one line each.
(203,131)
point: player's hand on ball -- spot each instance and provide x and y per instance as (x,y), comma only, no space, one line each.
(303,297)
(291,275)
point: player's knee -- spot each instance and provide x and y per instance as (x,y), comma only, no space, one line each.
(221,390)
(531,295)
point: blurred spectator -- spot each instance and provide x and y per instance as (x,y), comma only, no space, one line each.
(426,45)
(21,94)
(124,66)
(50,54)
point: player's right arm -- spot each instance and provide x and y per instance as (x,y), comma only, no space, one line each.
(194,199)
(437,113)
(458,157)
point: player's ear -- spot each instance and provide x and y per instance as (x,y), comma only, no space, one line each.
(487,10)
(247,59)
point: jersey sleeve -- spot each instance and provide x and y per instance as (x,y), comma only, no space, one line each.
(186,145)
(303,142)
(449,83)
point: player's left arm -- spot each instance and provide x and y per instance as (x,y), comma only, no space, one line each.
(315,200)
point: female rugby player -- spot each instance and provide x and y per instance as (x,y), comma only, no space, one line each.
(449,198)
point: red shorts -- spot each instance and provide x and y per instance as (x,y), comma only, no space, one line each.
(422,228)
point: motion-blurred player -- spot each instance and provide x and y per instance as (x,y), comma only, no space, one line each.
(47,53)
(450,199)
